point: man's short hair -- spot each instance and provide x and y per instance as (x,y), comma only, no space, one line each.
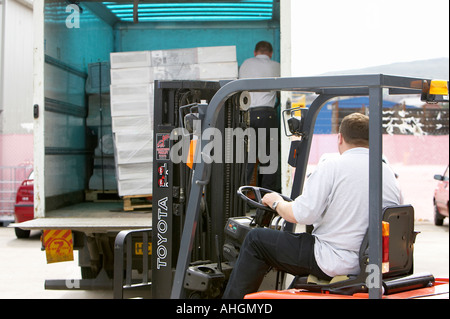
(354,129)
(263,47)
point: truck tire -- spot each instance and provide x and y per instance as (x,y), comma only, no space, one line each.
(21,233)
(87,273)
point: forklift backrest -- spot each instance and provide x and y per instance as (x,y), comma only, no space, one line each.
(401,239)
(401,244)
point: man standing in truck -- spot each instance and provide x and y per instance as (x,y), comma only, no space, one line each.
(262,109)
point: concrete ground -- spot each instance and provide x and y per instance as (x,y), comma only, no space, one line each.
(23,267)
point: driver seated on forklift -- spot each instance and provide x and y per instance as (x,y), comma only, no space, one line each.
(335,201)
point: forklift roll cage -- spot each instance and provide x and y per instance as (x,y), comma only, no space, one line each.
(326,88)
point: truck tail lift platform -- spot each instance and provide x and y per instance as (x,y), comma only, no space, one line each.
(212,278)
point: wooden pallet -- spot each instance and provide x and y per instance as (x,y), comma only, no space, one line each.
(133,202)
(102,196)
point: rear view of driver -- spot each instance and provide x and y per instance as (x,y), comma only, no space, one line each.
(335,201)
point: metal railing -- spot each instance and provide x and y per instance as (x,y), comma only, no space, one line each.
(10,179)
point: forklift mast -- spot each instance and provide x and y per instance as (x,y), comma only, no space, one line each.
(173,183)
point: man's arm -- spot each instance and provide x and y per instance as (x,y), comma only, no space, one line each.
(284,208)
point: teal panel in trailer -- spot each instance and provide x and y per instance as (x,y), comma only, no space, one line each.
(70,46)
(244,35)
(77,44)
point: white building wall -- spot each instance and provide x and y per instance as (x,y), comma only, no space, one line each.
(1,63)
(17,68)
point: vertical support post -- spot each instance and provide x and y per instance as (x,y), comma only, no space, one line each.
(190,225)
(39,116)
(303,151)
(118,266)
(145,257)
(129,260)
(305,146)
(2,51)
(135,11)
(162,218)
(375,188)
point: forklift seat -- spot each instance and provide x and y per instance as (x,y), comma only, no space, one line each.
(401,241)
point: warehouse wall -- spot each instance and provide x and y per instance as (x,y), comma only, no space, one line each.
(16,92)
(16,117)
(17,82)
(399,149)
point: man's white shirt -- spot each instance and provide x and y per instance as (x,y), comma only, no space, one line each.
(335,201)
(260,66)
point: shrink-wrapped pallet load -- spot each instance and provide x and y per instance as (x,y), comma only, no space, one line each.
(132,80)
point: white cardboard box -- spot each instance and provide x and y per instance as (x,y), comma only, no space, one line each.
(133,141)
(131,108)
(132,148)
(135,171)
(132,76)
(132,59)
(141,124)
(135,59)
(174,57)
(131,92)
(141,186)
(216,54)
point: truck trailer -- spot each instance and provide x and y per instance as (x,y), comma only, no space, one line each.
(73,47)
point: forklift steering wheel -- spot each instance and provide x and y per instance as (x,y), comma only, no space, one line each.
(259,194)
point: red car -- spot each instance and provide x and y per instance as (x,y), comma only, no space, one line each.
(440,199)
(24,206)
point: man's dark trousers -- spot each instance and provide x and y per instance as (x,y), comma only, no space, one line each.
(264,118)
(264,248)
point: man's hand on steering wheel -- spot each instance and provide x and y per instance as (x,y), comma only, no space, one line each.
(270,198)
(259,193)
(263,201)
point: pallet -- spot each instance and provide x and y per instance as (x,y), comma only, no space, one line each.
(133,202)
(102,196)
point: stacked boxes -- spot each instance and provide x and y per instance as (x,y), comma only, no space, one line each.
(132,122)
(132,79)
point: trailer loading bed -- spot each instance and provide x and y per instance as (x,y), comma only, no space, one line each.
(91,217)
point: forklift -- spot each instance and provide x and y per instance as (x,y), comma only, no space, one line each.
(197,232)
